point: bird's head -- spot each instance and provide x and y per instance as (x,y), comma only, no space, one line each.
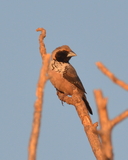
(63,54)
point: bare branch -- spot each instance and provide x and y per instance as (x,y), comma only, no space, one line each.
(111,76)
(105,131)
(41,38)
(106,124)
(39,101)
(89,127)
(119,118)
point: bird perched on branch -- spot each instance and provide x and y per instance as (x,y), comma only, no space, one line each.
(63,76)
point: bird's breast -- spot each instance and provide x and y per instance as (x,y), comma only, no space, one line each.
(56,77)
(59,67)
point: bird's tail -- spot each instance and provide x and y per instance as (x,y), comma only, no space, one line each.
(87,104)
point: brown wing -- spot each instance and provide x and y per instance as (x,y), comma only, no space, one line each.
(71,75)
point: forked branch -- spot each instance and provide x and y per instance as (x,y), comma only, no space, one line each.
(106,124)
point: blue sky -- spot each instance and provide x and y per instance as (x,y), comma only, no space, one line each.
(95,31)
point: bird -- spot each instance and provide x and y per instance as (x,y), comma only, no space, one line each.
(63,75)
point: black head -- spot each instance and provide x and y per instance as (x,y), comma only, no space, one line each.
(63,54)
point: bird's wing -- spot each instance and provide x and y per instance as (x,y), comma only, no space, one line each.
(71,75)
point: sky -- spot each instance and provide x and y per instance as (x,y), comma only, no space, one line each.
(95,31)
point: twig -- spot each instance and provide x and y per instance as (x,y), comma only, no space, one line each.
(111,76)
(119,118)
(39,101)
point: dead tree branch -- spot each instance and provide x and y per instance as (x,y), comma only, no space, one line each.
(89,127)
(32,148)
(111,76)
(106,124)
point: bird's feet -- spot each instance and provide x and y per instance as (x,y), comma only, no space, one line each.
(61,96)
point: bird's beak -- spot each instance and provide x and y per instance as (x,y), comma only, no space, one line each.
(71,54)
